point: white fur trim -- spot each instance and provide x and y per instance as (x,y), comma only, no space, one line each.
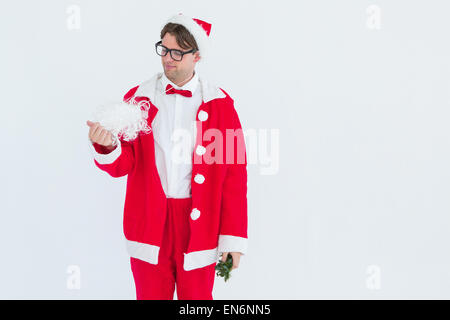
(229,243)
(195,29)
(200,259)
(192,260)
(209,91)
(105,158)
(143,251)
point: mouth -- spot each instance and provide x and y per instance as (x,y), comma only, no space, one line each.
(169,67)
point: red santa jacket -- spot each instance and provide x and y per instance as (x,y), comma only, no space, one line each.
(218,220)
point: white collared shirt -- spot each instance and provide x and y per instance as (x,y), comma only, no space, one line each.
(173,131)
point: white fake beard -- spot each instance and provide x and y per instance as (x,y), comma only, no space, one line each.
(123,119)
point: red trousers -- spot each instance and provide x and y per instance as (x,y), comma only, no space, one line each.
(157,282)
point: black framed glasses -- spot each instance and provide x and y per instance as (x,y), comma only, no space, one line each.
(176,54)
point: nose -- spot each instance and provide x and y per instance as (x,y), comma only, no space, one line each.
(167,58)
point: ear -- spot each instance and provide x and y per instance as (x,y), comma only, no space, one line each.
(197,56)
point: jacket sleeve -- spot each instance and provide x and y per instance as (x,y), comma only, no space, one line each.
(233,219)
(116,163)
(120,161)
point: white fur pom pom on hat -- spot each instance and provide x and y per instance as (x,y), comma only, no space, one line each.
(123,119)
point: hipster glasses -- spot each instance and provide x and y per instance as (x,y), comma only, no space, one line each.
(176,54)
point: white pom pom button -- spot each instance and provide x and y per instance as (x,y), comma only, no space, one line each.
(200,150)
(195,214)
(202,115)
(199,178)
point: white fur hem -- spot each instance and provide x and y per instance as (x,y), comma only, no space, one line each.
(200,259)
(143,251)
(106,158)
(229,243)
(192,260)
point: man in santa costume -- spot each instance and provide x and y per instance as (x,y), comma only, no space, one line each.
(181,212)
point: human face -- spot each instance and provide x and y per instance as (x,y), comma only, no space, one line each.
(178,71)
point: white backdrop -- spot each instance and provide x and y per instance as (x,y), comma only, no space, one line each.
(351,200)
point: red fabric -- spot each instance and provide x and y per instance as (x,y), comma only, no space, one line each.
(221,198)
(157,282)
(205,25)
(171,90)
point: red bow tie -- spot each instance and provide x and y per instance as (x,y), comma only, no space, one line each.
(171,90)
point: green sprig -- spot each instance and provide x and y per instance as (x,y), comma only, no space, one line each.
(224,268)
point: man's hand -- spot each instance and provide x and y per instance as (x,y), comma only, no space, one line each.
(98,134)
(236,257)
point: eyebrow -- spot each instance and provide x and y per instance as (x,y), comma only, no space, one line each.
(171,48)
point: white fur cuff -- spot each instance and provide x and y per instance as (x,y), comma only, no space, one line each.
(106,158)
(143,251)
(229,243)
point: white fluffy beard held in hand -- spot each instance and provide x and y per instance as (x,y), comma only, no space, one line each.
(123,119)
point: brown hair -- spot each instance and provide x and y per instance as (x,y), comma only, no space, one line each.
(183,37)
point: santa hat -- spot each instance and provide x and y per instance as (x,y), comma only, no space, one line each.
(199,29)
